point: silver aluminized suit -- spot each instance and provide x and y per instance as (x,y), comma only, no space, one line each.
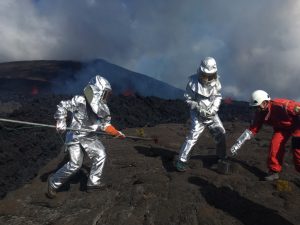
(208,99)
(83,117)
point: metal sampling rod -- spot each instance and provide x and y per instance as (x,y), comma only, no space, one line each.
(69,128)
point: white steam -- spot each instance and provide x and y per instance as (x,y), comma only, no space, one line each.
(256,43)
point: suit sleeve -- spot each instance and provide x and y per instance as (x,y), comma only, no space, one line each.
(257,123)
(293,108)
(189,94)
(218,97)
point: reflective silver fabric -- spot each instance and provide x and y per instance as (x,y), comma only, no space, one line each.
(95,151)
(208,65)
(81,118)
(77,142)
(208,97)
(95,93)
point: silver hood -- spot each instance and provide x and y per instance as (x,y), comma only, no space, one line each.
(96,93)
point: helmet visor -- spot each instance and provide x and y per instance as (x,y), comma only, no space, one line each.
(106,95)
(207,77)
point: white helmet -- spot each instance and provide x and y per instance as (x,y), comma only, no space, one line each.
(258,97)
(208,65)
(96,93)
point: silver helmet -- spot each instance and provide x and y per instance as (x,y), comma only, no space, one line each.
(97,93)
(208,70)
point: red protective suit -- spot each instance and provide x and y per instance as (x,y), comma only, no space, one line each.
(283,116)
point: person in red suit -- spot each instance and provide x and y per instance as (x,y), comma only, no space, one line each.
(284,116)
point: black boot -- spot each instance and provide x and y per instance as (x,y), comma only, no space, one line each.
(181,166)
(272,175)
(93,188)
(51,191)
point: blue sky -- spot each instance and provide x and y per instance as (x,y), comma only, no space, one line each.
(256,43)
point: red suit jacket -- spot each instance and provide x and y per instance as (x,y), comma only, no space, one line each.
(282,114)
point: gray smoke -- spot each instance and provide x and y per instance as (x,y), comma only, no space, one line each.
(256,43)
(123,81)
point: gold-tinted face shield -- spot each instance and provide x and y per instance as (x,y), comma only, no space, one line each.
(89,94)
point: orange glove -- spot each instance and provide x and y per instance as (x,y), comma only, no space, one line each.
(110,129)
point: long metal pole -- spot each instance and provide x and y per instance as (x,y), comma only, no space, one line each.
(69,128)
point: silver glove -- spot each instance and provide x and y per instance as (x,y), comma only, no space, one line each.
(203,112)
(61,125)
(212,111)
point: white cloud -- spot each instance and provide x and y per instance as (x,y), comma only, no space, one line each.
(256,43)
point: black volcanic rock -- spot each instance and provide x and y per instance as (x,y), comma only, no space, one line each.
(143,187)
(136,111)
(70,77)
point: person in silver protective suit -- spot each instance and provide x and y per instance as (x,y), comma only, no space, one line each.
(204,98)
(89,111)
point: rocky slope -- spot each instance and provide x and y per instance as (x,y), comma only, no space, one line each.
(143,186)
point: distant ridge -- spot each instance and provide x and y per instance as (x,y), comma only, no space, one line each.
(69,77)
